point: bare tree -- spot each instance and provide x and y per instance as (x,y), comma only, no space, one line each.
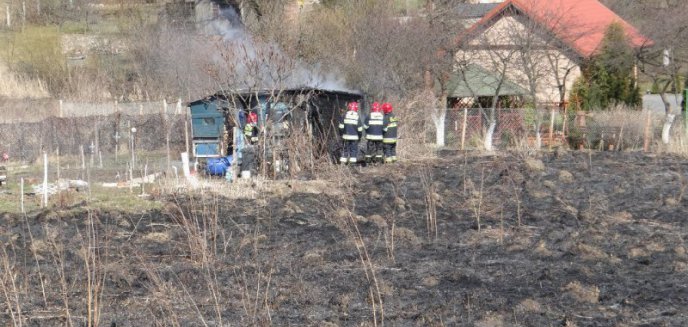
(666,61)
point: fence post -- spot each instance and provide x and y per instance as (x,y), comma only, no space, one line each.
(551,128)
(685,111)
(45,179)
(186,132)
(178,109)
(7,14)
(140,109)
(463,128)
(61,108)
(646,136)
(58,163)
(21,191)
(83,158)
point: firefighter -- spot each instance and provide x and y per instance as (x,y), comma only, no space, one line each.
(373,127)
(389,140)
(251,128)
(351,129)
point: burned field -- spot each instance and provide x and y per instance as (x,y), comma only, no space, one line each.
(572,239)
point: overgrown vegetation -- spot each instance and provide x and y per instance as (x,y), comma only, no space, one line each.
(608,78)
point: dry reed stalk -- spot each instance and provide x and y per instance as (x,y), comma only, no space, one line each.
(35,258)
(57,254)
(430,202)
(477,207)
(10,291)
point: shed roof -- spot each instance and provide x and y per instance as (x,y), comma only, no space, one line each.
(473,10)
(580,24)
(476,81)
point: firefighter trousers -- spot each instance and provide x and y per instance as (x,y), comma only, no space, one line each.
(349,151)
(390,150)
(374,151)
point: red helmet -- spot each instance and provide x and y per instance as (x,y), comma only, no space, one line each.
(252,117)
(353,106)
(387,107)
(376,107)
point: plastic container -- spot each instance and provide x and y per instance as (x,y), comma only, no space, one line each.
(218,166)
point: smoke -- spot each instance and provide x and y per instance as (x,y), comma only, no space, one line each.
(247,63)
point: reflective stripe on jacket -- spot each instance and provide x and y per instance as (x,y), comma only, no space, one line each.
(391,123)
(374,126)
(350,126)
(251,132)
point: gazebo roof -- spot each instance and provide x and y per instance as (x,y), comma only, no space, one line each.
(475,81)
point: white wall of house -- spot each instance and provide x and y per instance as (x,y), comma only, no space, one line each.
(509,45)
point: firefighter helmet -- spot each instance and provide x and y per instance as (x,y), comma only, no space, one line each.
(252,118)
(387,107)
(353,106)
(376,107)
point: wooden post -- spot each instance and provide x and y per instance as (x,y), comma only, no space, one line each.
(97,136)
(565,120)
(131,178)
(91,149)
(143,179)
(185,165)
(45,179)
(463,128)
(83,157)
(646,136)
(100,159)
(8,16)
(58,163)
(133,145)
(551,128)
(167,147)
(21,192)
(186,133)
(61,108)
(140,109)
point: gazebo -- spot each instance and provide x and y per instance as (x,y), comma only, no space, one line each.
(470,93)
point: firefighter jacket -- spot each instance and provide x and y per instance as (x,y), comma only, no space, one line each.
(374,124)
(251,132)
(391,123)
(350,127)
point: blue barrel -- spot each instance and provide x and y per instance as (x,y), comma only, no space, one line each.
(218,166)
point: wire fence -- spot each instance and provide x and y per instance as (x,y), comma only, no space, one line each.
(21,111)
(615,129)
(94,134)
(469,125)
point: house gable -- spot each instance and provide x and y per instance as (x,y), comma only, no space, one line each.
(578,24)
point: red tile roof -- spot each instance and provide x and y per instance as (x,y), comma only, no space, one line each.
(581,24)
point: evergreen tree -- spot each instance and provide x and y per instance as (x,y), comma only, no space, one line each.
(608,78)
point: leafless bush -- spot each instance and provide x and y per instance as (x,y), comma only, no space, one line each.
(626,125)
(430,202)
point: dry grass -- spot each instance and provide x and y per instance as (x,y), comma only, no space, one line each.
(583,293)
(14,86)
